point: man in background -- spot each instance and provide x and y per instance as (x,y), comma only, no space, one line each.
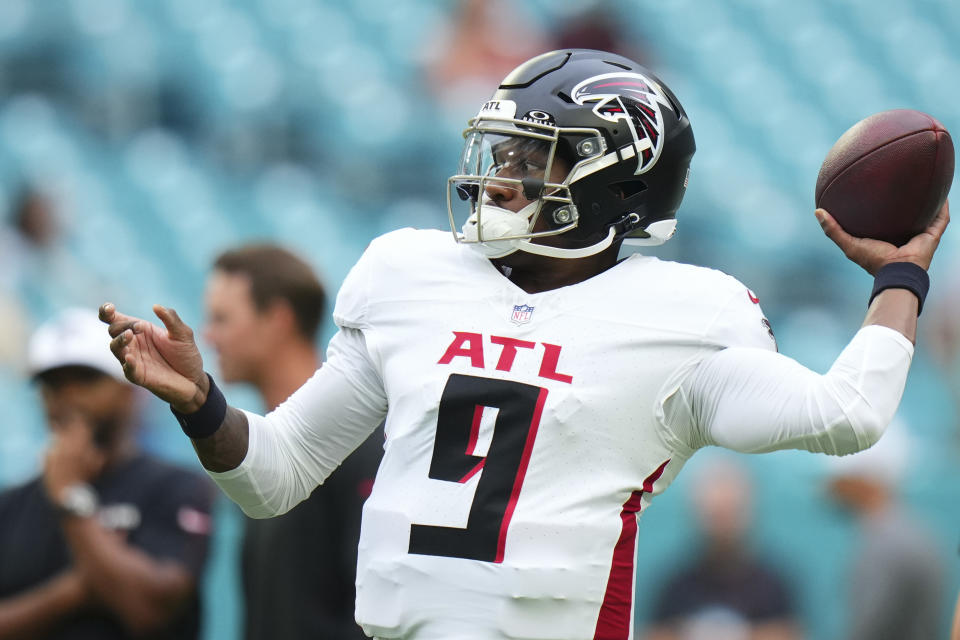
(264,306)
(108,542)
(896,580)
(727,593)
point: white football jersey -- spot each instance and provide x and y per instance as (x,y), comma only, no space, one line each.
(525,434)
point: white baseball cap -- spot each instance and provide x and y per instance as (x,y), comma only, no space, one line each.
(74,337)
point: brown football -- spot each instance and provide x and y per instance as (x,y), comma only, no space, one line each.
(888,175)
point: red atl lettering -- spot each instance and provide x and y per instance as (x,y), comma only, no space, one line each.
(510,346)
(470,345)
(467,345)
(548,366)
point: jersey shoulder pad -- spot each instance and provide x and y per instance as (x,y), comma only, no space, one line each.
(710,303)
(739,321)
(385,268)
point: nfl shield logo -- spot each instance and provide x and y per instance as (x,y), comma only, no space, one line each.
(521,314)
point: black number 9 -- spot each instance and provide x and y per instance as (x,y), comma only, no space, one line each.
(502,469)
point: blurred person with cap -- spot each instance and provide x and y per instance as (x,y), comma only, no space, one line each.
(727,593)
(264,307)
(896,580)
(107,542)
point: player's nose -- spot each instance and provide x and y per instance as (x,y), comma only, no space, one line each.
(503,194)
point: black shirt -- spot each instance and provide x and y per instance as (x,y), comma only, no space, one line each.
(164,510)
(741,586)
(299,569)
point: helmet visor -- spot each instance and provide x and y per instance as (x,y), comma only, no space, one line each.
(499,166)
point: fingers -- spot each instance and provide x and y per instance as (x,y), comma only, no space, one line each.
(175,326)
(131,367)
(827,223)
(120,347)
(939,224)
(868,253)
(118,344)
(833,230)
(122,328)
(118,322)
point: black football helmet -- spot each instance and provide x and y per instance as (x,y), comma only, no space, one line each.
(600,146)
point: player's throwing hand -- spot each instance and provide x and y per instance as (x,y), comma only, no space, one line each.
(164,360)
(873,254)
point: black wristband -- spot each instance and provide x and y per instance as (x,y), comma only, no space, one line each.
(902,275)
(205,421)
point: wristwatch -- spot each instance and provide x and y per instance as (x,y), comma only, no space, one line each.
(78,500)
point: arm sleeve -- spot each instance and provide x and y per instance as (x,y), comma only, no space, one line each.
(752,400)
(295,447)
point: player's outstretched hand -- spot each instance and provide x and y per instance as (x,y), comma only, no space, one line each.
(164,360)
(873,254)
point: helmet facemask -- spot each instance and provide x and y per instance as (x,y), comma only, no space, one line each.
(519,156)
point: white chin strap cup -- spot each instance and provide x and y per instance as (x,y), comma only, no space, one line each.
(496,222)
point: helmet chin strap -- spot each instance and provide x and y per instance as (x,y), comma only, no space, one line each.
(495,222)
(557,252)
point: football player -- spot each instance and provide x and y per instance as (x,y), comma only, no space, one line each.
(538,393)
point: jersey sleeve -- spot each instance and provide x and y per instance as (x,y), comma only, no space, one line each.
(293,449)
(176,523)
(752,400)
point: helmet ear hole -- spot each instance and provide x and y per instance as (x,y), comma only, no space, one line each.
(627,189)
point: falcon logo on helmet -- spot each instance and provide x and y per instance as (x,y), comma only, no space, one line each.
(634,99)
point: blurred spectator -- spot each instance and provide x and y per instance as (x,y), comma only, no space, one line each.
(942,339)
(35,220)
(598,28)
(12,330)
(483,42)
(895,586)
(264,308)
(107,542)
(36,264)
(941,332)
(486,39)
(30,227)
(31,233)
(727,593)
